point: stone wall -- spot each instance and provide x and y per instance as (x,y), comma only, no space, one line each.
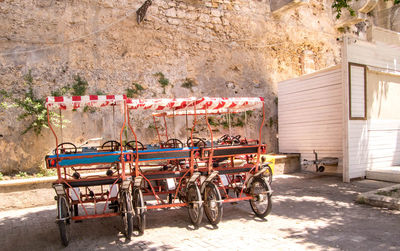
(227,47)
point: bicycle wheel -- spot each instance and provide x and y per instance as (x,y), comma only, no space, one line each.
(261,202)
(194,204)
(212,203)
(126,214)
(139,207)
(64,220)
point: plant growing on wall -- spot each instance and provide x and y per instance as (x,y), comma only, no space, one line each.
(79,86)
(164,82)
(188,84)
(134,91)
(236,120)
(338,5)
(33,108)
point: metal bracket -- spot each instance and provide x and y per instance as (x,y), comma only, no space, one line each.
(211,176)
(194,177)
(63,219)
(138,181)
(263,169)
(207,180)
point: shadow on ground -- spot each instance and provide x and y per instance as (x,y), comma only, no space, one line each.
(307,210)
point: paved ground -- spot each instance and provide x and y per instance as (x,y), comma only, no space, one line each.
(309,212)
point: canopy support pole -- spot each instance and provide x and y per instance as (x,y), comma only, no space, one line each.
(62,138)
(211,154)
(137,173)
(55,136)
(158,133)
(229,123)
(191,141)
(113,124)
(187,125)
(173,123)
(260,137)
(245,125)
(166,127)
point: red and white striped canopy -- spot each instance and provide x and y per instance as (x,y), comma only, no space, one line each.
(221,105)
(74,102)
(192,112)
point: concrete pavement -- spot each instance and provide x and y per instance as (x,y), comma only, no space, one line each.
(309,212)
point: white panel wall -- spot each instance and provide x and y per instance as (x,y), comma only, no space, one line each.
(377,55)
(373,144)
(310,114)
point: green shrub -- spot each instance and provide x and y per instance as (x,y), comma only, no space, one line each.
(132,92)
(164,82)
(61,92)
(338,5)
(79,86)
(21,174)
(188,84)
(1,176)
(100,92)
(33,108)
(46,172)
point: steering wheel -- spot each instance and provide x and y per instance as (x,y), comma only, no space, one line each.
(114,145)
(224,139)
(198,142)
(132,145)
(244,141)
(236,139)
(173,143)
(66,150)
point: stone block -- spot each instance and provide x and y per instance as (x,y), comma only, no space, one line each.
(170,12)
(216,20)
(204,18)
(288,163)
(173,21)
(183,6)
(180,14)
(282,5)
(216,13)
(192,15)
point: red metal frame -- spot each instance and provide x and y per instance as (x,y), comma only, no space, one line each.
(62,173)
(156,191)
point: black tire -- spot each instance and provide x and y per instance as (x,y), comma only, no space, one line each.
(64,220)
(194,202)
(170,198)
(268,175)
(261,203)
(76,210)
(140,212)
(212,203)
(127,214)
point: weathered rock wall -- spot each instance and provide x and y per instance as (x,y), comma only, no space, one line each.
(228,47)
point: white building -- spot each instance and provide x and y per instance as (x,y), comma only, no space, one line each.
(350,111)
